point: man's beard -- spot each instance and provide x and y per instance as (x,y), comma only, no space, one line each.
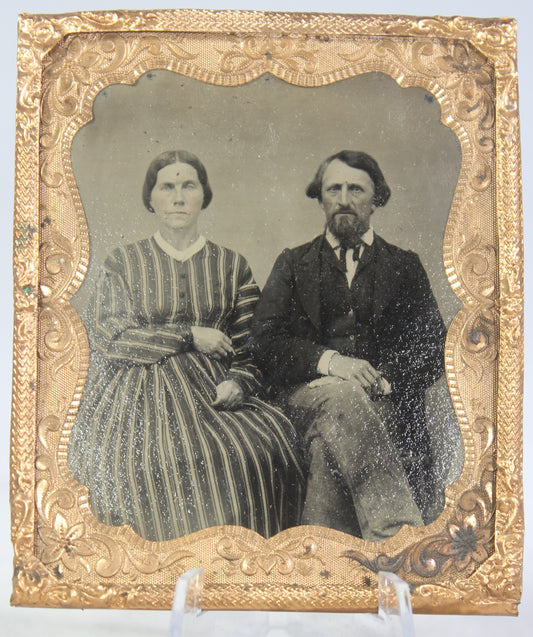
(346,228)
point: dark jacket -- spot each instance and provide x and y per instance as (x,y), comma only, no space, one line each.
(288,340)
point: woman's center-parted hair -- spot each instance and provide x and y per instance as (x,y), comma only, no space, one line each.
(354,159)
(173,157)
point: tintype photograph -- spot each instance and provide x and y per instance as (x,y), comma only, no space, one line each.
(276,305)
(214,399)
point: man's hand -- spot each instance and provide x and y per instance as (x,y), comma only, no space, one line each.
(361,371)
(229,395)
(211,341)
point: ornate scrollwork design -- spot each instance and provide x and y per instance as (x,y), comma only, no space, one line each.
(57,343)
(469,72)
(479,342)
(70,73)
(299,555)
(120,558)
(470,67)
(65,546)
(71,546)
(467,543)
(476,262)
(251,52)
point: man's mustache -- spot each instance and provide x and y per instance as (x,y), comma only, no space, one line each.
(345,211)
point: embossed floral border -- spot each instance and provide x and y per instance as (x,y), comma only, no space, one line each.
(470,559)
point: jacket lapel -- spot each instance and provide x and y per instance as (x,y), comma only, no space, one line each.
(388,277)
(307,278)
(366,258)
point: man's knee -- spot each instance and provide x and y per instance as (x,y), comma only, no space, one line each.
(342,398)
(340,410)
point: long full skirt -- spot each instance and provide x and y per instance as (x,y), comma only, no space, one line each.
(156,455)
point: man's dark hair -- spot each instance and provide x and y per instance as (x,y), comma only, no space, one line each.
(354,159)
(173,157)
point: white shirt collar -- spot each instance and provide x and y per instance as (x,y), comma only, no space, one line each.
(367,238)
(179,255)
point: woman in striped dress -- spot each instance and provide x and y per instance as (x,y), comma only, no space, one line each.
(170,437)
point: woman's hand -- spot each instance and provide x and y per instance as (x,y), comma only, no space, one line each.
(211,341)
(229,395)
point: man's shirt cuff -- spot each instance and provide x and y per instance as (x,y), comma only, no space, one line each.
(324,361)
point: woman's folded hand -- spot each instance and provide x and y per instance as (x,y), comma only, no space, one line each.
(229,395)
(211,341)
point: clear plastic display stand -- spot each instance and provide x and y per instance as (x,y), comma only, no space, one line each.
(394,618)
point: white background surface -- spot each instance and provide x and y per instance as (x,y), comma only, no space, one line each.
(17,622)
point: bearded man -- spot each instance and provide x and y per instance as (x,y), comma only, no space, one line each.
(349,337)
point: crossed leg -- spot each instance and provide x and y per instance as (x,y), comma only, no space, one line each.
(357,482)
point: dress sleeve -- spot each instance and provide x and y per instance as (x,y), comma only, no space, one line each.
(243,370)
(116,330)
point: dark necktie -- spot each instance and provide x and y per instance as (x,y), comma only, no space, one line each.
(342,254)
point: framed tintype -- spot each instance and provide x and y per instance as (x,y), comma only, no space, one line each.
(263,99)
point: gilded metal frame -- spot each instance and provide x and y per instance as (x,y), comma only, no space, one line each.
(469,560)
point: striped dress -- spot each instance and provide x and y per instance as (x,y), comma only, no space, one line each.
(146,442)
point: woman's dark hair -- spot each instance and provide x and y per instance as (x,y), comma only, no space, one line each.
(354,159)
(173,157)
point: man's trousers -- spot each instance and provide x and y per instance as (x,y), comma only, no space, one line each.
(356,483)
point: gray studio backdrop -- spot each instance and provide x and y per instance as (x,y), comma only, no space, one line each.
(261,144)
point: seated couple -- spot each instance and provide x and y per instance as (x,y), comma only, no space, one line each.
(174,435)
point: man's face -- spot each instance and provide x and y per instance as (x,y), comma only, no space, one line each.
(347,200)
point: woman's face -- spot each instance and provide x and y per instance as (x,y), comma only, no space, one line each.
(177,196)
